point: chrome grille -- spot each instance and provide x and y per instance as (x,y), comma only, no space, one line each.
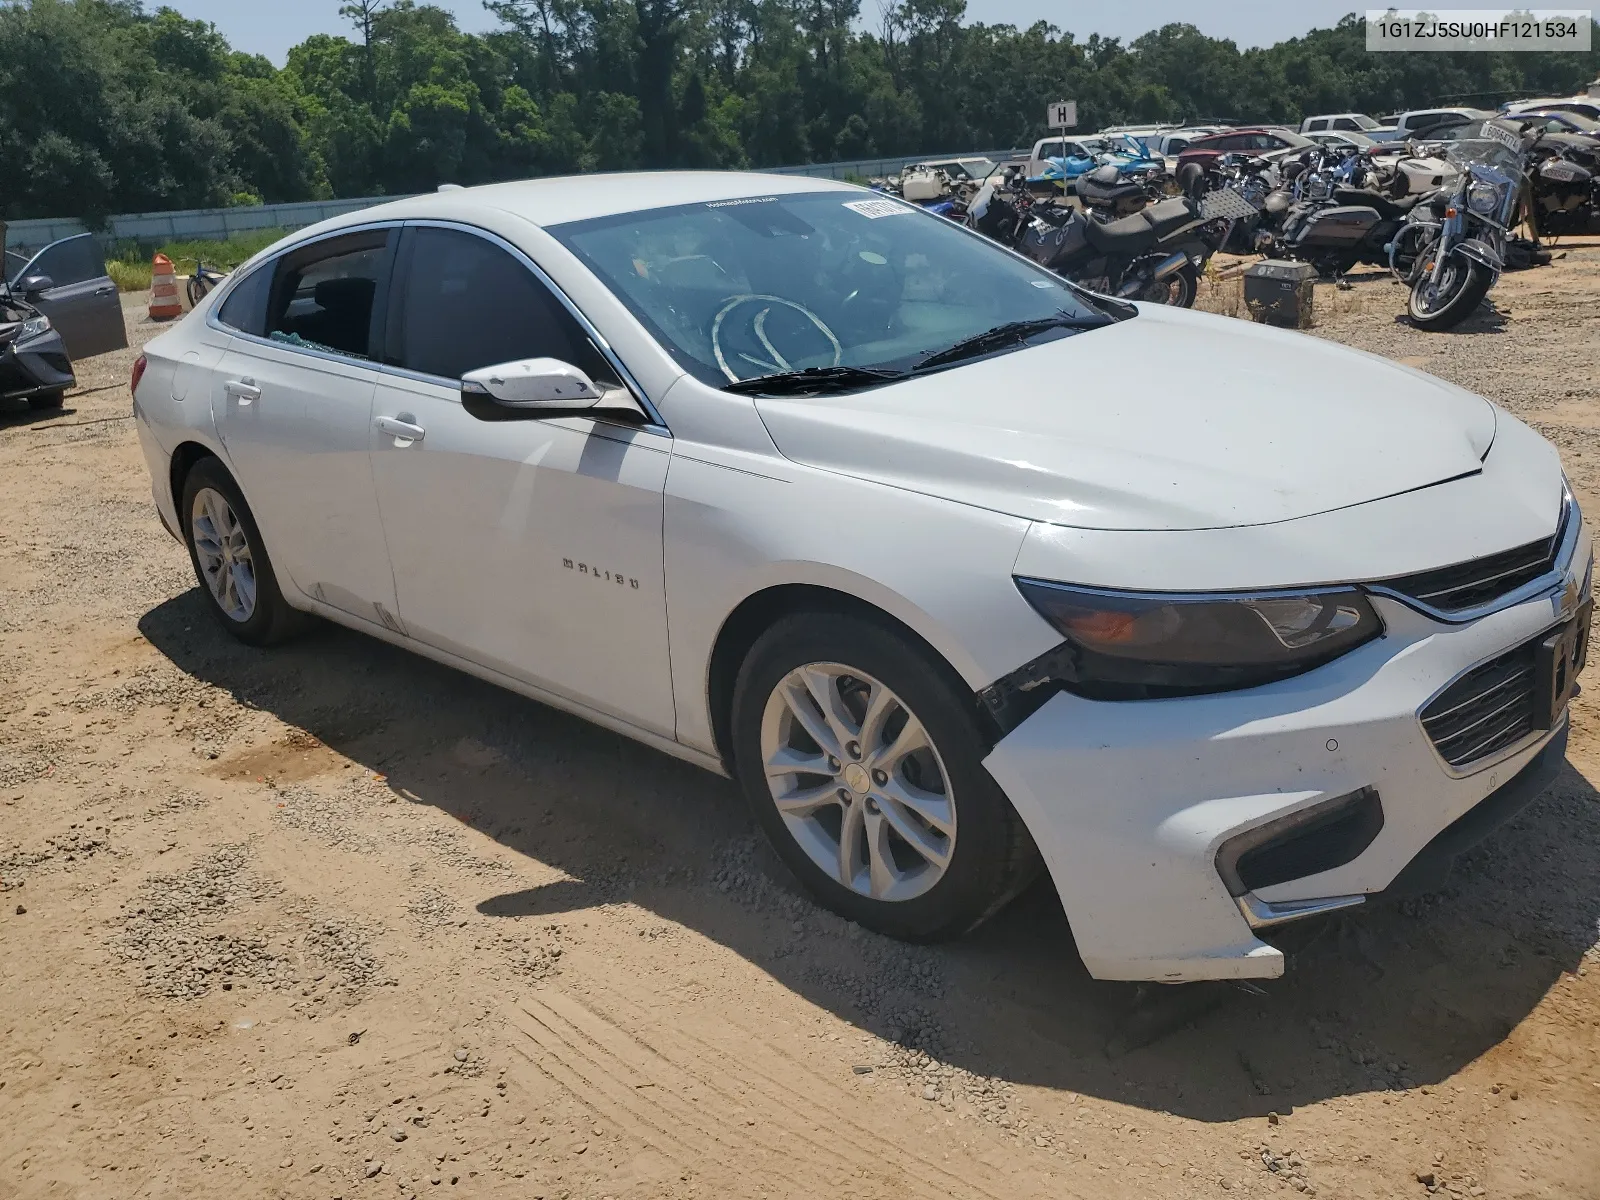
(1482,581)
(1488,709)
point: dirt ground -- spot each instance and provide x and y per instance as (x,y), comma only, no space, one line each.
(332,921)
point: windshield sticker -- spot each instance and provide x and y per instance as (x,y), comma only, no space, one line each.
(1499,133)
(748,200)
(874,209)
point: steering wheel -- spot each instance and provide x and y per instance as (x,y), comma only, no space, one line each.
(762,306)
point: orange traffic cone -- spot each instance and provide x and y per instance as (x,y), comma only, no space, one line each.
(164,302)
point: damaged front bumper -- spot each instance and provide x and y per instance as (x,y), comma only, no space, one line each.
(35,365)
(1179,831)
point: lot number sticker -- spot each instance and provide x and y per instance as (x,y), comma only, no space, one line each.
(877,208)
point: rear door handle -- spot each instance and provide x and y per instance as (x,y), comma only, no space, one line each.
(244,391)
(105,291)
(403,427)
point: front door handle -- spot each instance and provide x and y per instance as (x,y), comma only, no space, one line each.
(244,391)
(403,427)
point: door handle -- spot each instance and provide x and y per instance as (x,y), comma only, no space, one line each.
(106,291)
(244,391)
(403,427)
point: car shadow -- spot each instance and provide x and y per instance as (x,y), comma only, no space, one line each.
(17,414)
(1396,996)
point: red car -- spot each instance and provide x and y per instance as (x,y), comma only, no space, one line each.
(1250,141)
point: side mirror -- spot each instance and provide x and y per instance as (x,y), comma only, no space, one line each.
(533,383)
(34,284)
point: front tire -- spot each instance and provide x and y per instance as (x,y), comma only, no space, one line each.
(862,762)
(230,560)
(1462,289)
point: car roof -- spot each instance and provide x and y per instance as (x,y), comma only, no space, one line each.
(559,199)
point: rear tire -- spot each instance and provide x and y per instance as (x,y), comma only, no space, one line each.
(916,843)
(1177,290)
(47,401)
(1471,284)
(230,560)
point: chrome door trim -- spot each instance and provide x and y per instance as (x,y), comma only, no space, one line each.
(239,276)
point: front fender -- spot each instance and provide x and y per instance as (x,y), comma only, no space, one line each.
(941,568)
(1479,251)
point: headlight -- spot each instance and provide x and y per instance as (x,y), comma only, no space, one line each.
(1483,198)
(1129,645)
(33,327)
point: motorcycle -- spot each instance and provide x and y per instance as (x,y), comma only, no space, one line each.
(1565,187)
(1156,254)
(1111,191)
(1457,245)
(1358,227)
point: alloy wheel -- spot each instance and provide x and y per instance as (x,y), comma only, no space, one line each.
(223,551)
(858,781)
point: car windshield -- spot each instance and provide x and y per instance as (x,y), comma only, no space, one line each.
(737,289)
(1570,120)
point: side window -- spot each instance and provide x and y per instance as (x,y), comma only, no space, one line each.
(1177,145)
(466,304)
(75,260)
(1345,123)
(323,296)
(245,309)
(1319,124)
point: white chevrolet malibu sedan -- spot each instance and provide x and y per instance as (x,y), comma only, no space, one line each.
(958,570)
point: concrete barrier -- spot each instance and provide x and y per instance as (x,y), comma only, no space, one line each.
(154,229)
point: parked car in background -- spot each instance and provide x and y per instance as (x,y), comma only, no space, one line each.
(1339,122)
(1170,145)
(1213,661)
(1425,122)
(33,361)
(67,282)
(1256,140)
(1584,106)
(1342,138)
(1559,121)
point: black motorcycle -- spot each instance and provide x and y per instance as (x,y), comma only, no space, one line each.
(1357,226)
(1109,192)
(1157,254)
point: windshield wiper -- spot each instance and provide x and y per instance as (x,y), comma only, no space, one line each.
(813,381)
(1001,336)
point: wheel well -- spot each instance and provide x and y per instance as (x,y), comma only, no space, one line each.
(183,461)
(759,613)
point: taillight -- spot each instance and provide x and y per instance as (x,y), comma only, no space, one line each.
(139,364)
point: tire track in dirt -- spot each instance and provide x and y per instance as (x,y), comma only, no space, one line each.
(660,1055)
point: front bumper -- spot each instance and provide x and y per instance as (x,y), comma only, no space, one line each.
(1131,802)
(35,367)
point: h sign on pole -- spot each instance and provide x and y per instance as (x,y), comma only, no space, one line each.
(1063,114)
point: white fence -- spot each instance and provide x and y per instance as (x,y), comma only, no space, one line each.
(196,224)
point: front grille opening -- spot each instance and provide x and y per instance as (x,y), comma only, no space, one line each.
(1470,585)
(1308,842)
(1488,709)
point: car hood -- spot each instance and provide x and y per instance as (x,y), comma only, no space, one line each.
(1168,420)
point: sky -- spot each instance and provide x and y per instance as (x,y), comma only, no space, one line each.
(272,27)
